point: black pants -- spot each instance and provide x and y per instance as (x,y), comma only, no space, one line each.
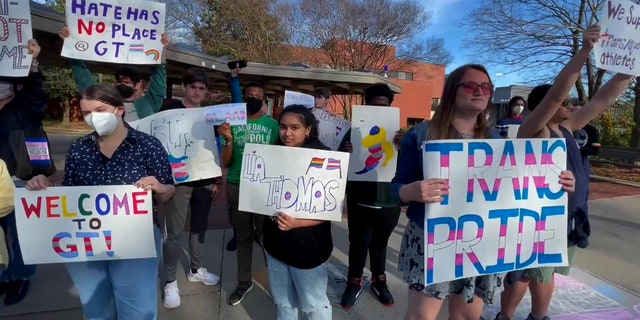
(369,231)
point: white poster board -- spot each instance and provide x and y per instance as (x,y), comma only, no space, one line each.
(303,183)
(292,97)
(331,128)
(15,60)
(233,113)
(512,131)
(374,155)
(189,140)
(505,209)
(88,223)
(619,47)
(120,31)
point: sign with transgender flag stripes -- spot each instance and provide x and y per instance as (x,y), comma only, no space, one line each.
(88,223)
(300,182)
(505,209)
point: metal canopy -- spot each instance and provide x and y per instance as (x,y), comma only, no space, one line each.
(47,22)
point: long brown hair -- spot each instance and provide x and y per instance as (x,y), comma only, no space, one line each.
(441,126)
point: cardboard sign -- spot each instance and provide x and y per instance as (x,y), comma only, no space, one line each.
(233,113)
(15,16)
(331,128)
(303,183)
(120,31)
(374,155)
(505,209)
(619,47)
(89,223)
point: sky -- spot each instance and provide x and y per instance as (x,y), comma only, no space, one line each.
(446,22)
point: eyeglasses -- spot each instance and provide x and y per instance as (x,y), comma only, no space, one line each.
(471,87)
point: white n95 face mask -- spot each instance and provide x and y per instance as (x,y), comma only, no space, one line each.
(517,109)
(103,123)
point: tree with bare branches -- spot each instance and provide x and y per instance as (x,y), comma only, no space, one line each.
(358,34)
(535,36)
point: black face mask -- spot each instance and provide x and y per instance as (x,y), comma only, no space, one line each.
(125,91)
(253,105)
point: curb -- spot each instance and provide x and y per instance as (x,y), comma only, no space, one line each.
(613,180)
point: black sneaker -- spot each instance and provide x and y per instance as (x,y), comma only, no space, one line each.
(17,291)
(530,317)
(379,287)
(241,291)
(499,316)
(350,294)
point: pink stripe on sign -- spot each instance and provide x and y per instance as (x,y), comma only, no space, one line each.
(430,238)
(530,158)
(496,184)
(483,185)
(452,236)
(489,160)
(501,253)
(474,259)
(471,161)
(516,184)
(429,263)
(535,247)
(520,227)
(35,157)
(540,182)
(541,225)
(480,233)
(546,158)
(518,249)
(541,247)
(458,259)
(460,234)
(469,185)
(180,175)
(444,160)
(178,165)
(503,230)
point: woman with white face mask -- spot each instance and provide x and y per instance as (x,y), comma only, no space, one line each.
(115,154)
(516,107)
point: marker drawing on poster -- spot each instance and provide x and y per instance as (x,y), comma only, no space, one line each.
(619,47)
(292,97)
(303,183)
(374,155)
(189,140)
(88,223)
(505,209)
(15,60)
(233,113)
(119,31)
(331,128)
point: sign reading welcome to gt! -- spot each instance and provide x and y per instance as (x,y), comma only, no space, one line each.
(115,31)
(72,224)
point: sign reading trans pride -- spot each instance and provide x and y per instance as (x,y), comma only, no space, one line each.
(505,210)
(116,31)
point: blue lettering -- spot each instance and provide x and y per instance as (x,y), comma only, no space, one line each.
(546,258)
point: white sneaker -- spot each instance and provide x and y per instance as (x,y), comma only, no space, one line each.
(171,295)
(203,276)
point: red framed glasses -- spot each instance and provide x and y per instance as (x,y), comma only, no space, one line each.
(471,87)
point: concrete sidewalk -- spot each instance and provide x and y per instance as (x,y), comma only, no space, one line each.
(52,295)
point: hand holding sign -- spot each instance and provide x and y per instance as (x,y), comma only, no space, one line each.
(34,48)
(568,181)
(591,36)
(425,191)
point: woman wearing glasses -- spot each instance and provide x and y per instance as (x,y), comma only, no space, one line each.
(461,115)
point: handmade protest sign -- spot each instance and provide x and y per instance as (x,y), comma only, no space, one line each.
(512,131)
(15,17)
(189,140)
(120,31)
(505,209)
(233,113)
(374,155)
(331,128)
(89,223)
(619,47)
(303,183)
(292,97)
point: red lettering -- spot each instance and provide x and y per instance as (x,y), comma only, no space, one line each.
(82,25)
(31,209)
(137,201)
(51,205)
(101,27)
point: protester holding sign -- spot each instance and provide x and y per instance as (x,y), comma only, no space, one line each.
(192,198)
(372,216)
(25,149)
(138,103)
(115,154)
(466,96)
(552,116)
(322,97)
(247,225)
(297,249)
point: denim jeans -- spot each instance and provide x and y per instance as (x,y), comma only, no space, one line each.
(118,289)
(16,270)
(304,289)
